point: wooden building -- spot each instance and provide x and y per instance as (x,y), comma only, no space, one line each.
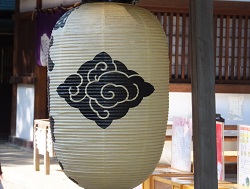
(23,83)
(6,64)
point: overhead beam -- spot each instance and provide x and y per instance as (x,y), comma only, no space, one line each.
(203,94)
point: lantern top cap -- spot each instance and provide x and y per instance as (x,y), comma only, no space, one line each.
(117,1)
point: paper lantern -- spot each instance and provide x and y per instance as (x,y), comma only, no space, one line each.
(108,94)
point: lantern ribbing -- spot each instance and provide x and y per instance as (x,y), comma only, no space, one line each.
(108,83)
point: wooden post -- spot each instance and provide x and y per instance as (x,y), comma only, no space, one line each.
(203,94)
(42,147)
(46,157)
(36,158)
(146,183)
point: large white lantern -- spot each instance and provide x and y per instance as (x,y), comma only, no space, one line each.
(108,94)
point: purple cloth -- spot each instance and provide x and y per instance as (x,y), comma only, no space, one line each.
(44,27)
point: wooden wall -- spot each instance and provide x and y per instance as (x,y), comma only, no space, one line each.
(26,71)
(231,43)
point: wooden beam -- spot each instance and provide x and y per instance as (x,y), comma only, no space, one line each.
(39,4)
(41,110)
(203,94)
(219,88)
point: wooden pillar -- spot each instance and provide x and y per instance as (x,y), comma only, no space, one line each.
(203,94)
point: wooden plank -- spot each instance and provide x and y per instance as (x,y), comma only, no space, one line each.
(158,15)
(146,183)
(233,48)
(14,86)
(47,163)
(22,16)
(219,88)
(183,45)
(215,40)
(23,79)
(41,93)
(239,48)
(248,20)
(165,18)
(227,47)
(189,49)
(220,47)
(246,58)
(36,157)
(220,6)
(39,4)
(171,17)
(43,125)
(226,7)
(203,94)
(177,33)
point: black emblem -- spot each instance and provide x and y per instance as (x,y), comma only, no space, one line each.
(62,20)
(104,90)
(73,180)
(61,165)
(50,62)
(52,123)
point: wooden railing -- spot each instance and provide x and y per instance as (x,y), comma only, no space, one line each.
(231,43)
(176,28)
(232,47)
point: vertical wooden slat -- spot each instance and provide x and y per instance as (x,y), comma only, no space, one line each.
(227,46)
(177,33)
(233,48)
(14,73)
(248,58)
(39,4)
(239,48)
(215,41)
(5,64)
(183,45)
(1,65)
(36,156)
(11,62)
(165,18)
(245,48)
(5,59)
(9,68)
(171,43)
(167,31)
(189,49)
(221,47)
(159,17)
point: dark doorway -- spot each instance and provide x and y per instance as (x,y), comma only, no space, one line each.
(6,66)
(7,10)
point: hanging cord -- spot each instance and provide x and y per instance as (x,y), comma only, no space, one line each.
(55,9)
(61,7)
(72,7)
(133,2)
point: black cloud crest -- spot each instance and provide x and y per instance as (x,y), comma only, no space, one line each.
(104,90)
